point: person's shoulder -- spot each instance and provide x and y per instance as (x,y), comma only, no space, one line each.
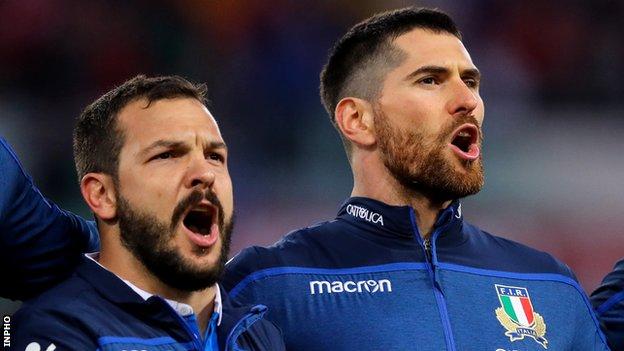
(608,302)
(610,294)
(304,238)
(296,248)
(66,297)
(288,250)
(56,318)
(500,253)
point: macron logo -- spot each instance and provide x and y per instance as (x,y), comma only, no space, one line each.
(365,214)
(369,286)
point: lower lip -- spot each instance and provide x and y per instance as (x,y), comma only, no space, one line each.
(204,240)
(471,155)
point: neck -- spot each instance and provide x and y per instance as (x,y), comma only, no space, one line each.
(117,259)
(378,184)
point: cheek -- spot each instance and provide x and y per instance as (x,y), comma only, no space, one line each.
(149,195)
(481,119)
(411,105)
(480,111)
(159,195)
(225,193)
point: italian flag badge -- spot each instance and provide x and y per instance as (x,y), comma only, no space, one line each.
(517,316)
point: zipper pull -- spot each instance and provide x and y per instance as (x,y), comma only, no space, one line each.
(427,245)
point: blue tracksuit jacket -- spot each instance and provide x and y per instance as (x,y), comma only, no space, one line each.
(364,281)
(41,245)
(608,300)
(95,310)
(367,281)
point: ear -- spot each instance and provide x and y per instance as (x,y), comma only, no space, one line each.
(99,192)
(354,117)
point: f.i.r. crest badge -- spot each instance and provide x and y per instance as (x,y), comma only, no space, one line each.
(517,316)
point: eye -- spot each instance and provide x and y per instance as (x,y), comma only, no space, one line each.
(164,155)
(471,82)
(428,81)
(214,156)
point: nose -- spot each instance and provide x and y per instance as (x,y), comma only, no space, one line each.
(463,99)
(199,173)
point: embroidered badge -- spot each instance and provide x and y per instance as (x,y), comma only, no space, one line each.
(517,316)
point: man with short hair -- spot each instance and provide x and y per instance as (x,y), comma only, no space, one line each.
(399,268)
(153,169)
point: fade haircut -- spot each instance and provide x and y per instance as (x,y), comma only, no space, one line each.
(360,60)
(98,139)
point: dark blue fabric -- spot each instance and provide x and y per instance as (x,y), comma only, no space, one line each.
(38,241)
(608,300)
(363,281)
(95,309)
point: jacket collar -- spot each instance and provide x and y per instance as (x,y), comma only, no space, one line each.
(105,282)
(400,221)
(154,308)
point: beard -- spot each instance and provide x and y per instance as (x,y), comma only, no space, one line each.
(424,167)
(148,239)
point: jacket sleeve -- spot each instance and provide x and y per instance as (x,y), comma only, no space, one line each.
(38,329)
(608,301)
(40,242)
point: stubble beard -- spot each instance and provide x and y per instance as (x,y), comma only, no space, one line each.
(150,241)
(424,167)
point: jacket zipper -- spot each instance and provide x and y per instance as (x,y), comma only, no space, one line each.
(428,249)
(437,289)
(427,245)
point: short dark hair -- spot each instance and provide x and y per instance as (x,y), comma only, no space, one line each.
(97,137)
(359,61)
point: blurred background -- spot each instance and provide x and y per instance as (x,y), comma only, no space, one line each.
(552,86)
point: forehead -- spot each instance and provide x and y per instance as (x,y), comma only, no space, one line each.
(179,118)
(425,47)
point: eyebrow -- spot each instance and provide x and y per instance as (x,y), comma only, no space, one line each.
(472,72)
(432,69)
(173,144)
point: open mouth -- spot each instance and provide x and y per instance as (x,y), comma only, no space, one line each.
(198,221)
(465,142)
(202,226)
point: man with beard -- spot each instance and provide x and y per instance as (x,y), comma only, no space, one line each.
(399,268)
(153,169)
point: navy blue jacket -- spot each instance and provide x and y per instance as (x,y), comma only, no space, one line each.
(95,310)
(367,281)
(363,281)
(608,300)
(39,241)
(41,245)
